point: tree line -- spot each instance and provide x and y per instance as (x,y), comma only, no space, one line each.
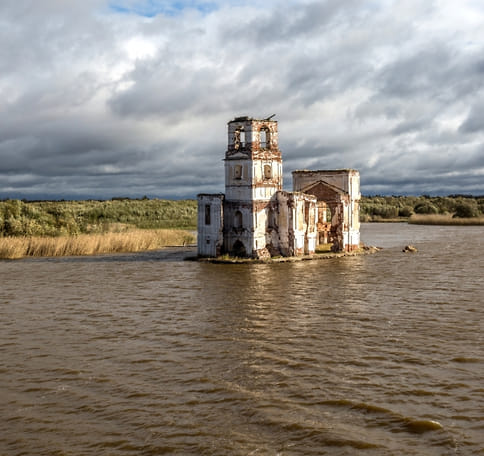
(393,207)
(56,218)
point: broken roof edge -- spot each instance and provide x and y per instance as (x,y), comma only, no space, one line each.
(334,188)
(218,195)
(307,171)
(252,119)
(300,193)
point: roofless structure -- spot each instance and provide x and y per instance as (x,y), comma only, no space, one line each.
(256,218)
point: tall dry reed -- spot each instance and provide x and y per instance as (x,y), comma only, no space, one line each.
(92,244)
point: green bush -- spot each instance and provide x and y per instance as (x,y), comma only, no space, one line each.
(405,211)
(425,208)
(480,205)
(466,210)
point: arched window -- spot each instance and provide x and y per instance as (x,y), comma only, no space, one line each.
(238,172)
(267,172)
(238,219)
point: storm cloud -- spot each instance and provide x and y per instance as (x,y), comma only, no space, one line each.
(105,98)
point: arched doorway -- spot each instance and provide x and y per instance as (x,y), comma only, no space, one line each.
(238,249)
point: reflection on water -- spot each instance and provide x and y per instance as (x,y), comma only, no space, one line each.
(150,354)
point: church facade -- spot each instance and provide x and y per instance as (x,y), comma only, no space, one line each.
(256,218)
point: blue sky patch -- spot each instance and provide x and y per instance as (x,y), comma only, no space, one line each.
(151,8)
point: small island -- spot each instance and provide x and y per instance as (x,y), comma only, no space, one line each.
(320,254)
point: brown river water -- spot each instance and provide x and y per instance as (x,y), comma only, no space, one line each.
(147,354)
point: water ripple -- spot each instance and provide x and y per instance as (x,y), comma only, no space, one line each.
(147,354)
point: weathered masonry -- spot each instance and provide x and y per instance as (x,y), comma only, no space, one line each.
(338,195)
(256,218)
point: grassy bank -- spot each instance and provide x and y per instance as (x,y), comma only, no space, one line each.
(441,219)
(92,244)
(60,218)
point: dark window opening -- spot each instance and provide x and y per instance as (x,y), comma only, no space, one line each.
(239,138)
(264,137)
(238,219)
(238,172)
(271,218)
(207,214)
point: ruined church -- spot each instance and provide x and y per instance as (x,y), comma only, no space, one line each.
(256,218)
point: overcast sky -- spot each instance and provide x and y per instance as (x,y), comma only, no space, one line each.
(106,98)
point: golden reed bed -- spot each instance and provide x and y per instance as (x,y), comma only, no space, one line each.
(440,219)
(92,244)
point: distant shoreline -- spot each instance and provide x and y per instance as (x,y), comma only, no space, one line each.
(431,219)
(438,219)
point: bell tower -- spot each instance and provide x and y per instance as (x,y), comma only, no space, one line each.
(253,175)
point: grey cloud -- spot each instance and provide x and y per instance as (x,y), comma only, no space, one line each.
(433,185)
(291,21)
(410,126)
(167,91)
(423,72)
(353,85)
(48,34)
(475,120)
(437,74)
